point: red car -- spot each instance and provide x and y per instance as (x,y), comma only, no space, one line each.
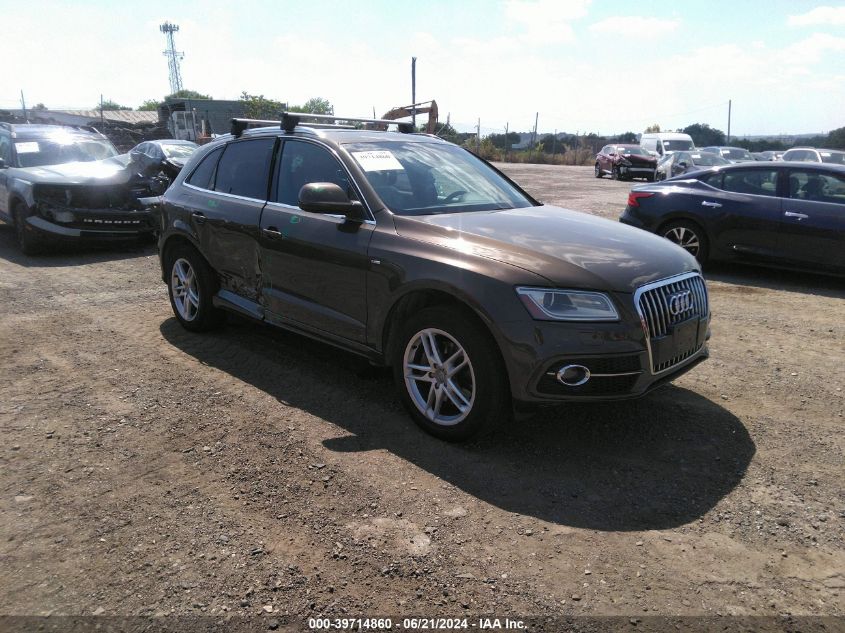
(624,162)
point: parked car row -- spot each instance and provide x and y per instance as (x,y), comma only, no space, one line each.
(60,183)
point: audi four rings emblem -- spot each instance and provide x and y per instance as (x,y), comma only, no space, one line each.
(680,302)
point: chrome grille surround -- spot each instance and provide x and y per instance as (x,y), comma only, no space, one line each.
(664,303)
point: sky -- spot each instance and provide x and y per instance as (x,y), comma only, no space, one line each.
(584,66)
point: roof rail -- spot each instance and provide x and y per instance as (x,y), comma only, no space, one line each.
(291,119)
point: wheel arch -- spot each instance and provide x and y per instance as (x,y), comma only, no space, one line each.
(172,241)
(421,297)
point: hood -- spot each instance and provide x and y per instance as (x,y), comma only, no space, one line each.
(112,171)
(569,248)
(637,159)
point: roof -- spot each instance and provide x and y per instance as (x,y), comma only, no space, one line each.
(25,130)
(92,117)
(121,116)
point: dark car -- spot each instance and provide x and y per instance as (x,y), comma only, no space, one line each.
(769,155)
(731,154)
(783,214)
(416,254)
(624,162)
(678,163)
(166,156)
(68,183)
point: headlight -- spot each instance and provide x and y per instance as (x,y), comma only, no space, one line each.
(546,304)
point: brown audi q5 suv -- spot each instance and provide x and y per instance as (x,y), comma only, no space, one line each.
(416,254)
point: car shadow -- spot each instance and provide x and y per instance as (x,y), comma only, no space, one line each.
(72,253)
(654,463)
(776,279)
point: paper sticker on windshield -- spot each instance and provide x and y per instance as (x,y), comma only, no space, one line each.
(380,160)
(825,154)
(30,147)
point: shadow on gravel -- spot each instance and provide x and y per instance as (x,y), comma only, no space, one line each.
(72,253)
(654,463)
(747,276)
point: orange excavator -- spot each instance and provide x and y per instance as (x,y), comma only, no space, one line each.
(425,107)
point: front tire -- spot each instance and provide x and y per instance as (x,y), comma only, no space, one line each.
(191,284)
(28,242)
(449,374)
(614,173)
(689,236)
(598,170)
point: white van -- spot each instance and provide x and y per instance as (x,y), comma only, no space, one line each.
(662,143)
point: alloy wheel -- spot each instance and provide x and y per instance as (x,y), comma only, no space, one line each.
(685,238)
(183,284)
(439,377)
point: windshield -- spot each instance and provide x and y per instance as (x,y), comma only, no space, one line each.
(708,159)
(737,153)
(62,148)
(180,150)
(418,178)
(637,151)
(677,146)
(837,158)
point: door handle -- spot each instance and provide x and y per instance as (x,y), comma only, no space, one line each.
(712,205)
(271,233)
(199,217)
(792,214)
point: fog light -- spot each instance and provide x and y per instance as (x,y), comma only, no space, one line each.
(573,375)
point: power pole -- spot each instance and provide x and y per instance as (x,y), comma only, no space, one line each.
(173,56)
(478,137)
(23,106)
(102,118)
(533,136)
(554,146)
(729,122)
(507,142)
(414,92)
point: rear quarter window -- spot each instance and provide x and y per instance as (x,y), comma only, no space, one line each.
(204,173)
(244,169)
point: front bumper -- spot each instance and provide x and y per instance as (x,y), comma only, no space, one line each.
(617,355)
(93,224)
(636,172)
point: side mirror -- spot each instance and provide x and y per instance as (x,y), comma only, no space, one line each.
(683,164)
(327,197)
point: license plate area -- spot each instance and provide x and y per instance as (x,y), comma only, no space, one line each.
(680,342)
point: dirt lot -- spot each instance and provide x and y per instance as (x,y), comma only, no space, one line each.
(147,470)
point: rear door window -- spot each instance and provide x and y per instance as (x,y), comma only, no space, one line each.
(817,187)
(244,169)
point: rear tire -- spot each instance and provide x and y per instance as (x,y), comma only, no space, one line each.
(28,241)
(689,236)
(449,374)
(191,285)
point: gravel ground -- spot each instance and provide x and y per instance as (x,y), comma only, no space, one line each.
(147,470)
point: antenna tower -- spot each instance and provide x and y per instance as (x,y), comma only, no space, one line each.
(173,56)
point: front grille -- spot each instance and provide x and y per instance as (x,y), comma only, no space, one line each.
(669,305)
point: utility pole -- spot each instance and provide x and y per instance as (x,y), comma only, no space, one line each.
(414,92)
(533,136)
(478,137)
(729,122)
(102,118)
(23,106)
(554,146)
(507,142)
